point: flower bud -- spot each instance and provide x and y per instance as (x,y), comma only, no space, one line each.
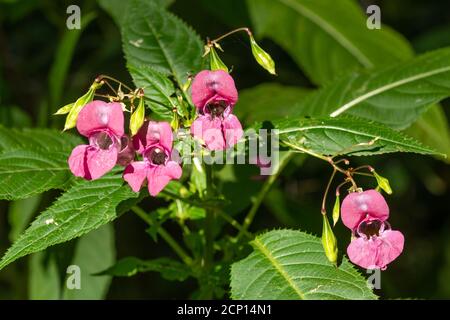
(215,62)
(383,182)
(262,57)
(329,241)
(138,117)
(336,210)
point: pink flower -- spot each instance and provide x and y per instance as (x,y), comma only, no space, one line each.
(214,95)
(374,244)
(154,143)
(102,123)
(127,153)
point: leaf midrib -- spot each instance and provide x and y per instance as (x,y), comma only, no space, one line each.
(415,146)
(333,32)
(279,268)
(387,87)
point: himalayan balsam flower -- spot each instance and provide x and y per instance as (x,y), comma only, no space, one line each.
(214,94)
(102,123)
(154,143)
(375,245)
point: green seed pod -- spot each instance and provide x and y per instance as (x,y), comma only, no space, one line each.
(383,183)
(329,241)
(215,62)
(138,117)
(336,210)
(262,57)
(71,120)
(64,110)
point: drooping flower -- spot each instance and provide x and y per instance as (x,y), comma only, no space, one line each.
(374,245)
(214,94)
(102,123)
(154,142)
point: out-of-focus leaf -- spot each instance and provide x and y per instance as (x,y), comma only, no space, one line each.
(44,282)
(20,213)
(94,252)
(168,268)
(291,265)
(395,96)
(14,117)
(268,101)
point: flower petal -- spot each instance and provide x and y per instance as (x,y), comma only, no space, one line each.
(77,161)
(101,115)
(135,174)
(376,252)
(216,85)
(154,133)
(100,161)
(358,206)
(210,131)
(233,130)
(158,177)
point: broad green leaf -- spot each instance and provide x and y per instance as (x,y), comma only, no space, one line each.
(33,161)
(395,96)
(268,101)
(432,129)
(334,136)
(290,265)
(153,36)
(116,8)
(44,282)
(158,90)
(20,213)
(86,206)
(129,266)
(326,38)
(94,252)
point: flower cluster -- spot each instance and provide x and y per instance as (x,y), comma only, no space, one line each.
(374,245)
(214,95)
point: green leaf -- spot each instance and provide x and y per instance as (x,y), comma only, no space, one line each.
(152,36)
(84,207)
(129,266)
(287,264)
(432,129)
(20,213)
(268,101)
(333,136)
(44,282)
(158,90)
(395,96)
(116,8)
(326,38)
(33,161)
(95,251)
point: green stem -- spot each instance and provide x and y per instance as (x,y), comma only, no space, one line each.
(164,234)
(234,223)
(209,221)
(262,193)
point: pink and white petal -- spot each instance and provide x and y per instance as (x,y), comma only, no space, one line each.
(77,161)
(233,130)
(159,133)
(363,252)
(209,131)
(208,85)
(157,180)
(173,170)
(100,161)
(358,206)
(135,174)
(391,246)
(101,115)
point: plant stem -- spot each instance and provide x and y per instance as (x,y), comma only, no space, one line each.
(324,199)
(209,221)
(234,223)
(164,234)
(230,33)
(262,193)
